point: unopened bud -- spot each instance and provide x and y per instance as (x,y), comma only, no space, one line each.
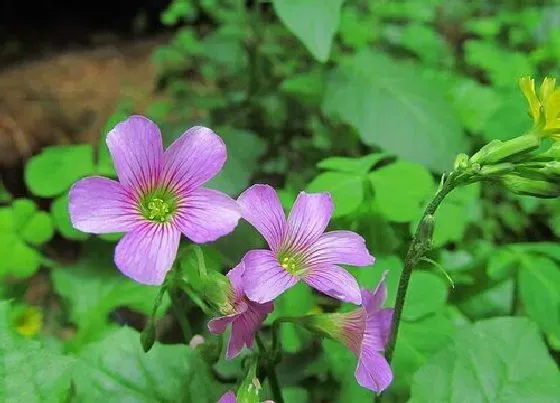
(484,151)
(497,169)
(509,149)
(426,229)
(250,388)
(532,187)
(461,161)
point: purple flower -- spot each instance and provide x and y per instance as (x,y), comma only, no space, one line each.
(365,331)
(299,247)
(158,197)
(229,397)
(246,316)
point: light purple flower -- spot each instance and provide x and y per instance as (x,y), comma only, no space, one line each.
(365,332)
(229,397)
(158,197)
(246,317)
(299,247)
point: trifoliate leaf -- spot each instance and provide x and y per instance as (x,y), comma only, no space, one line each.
(346,190)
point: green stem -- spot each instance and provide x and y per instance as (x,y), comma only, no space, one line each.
(421,243)
(270,371)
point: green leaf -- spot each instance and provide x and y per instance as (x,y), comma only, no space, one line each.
(308,86)
(508,120)
(93,287)
(104,162)
(314,22)
(59,211)
(117,370)
(345,189)
(20,260)
(401,190)
(30,372)
(417,343)
(539,289)
(426,294)
(392,106)
(497,360)
(33,226)
(5,196)
(501,263)
(56,168)
(368,277)
(492,301)
(244,150)
(356,165)
(425,42)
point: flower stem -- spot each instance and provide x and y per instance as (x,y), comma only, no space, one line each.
(270,371)
(180,315)
(421,243)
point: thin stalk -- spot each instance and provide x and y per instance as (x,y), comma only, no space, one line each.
(270,371)
(179,314)
(421,243)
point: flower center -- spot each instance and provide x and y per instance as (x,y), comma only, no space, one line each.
(158,206)
(291,262)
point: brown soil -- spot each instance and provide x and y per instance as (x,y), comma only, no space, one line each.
(68,98)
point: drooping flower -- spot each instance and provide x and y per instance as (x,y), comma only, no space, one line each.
(544,108)
(299,247)
(158,197)
(365,331)
(244,315)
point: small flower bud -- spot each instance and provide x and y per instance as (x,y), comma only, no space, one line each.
(249,389)
(497,169)
(479,156)
(426,229)
(461,161)
(532,187)
(511,148)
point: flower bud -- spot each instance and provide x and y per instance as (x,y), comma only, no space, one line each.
(532,187)
(217,292)
(505,150)
(461,161)
(497,169)
(249,389)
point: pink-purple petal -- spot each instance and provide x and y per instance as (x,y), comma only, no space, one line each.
(100,205)
(308,219)
(261,207)
(340,247)
(264,278)
(193,159)
(373,372)
(228,397)
(219,325)
(136,147)
(235,276)
(146,253)
(206,215)
(244,327)
(373,301)
(335,282)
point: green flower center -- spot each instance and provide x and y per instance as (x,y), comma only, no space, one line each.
(158,206)
(292,262)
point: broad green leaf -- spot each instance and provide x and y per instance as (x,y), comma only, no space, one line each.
(492,301)
(307,86)
(508,120)
(93,287)
(59,211)
(539,289)
(381,237)
(497,360)
(401,190)
(503,67)
(56,168)
(295,395)
(426,43)
(19,260)
(392,106)
(501,263)
(32,226)
(356,165)
(314,22)
(357,29)
(115,369)
(30,372)
(416,344)
(476,105)
(346,190)
(244,150)
(426,294)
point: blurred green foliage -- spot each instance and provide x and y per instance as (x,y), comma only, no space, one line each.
(368,100)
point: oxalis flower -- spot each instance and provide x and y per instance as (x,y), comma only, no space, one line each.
(245,316)
(158,197)
(299,247)
(365,331)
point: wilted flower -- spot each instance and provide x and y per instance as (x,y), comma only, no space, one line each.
(245,316)
(365,331)
(157,198)
(545,107)
(299,247)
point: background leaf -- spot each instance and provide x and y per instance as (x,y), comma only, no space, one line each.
(391,106)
